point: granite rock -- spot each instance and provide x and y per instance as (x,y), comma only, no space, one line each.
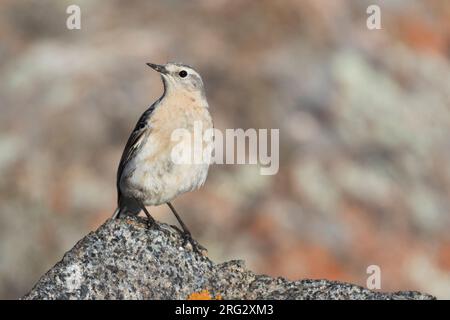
(124,259)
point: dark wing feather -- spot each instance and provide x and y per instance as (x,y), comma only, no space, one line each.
(134,143)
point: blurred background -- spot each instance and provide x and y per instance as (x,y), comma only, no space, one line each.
(364,119)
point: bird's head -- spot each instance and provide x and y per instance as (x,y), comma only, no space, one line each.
(177,76)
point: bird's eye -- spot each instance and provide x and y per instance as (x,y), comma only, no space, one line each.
(182,73)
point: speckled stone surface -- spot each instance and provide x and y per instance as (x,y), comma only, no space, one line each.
(124,259)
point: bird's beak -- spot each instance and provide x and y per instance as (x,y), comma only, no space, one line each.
(157,67)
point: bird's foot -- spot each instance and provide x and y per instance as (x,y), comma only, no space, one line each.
(197,247)
(151,224)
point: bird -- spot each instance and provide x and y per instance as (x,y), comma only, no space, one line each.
(147,175)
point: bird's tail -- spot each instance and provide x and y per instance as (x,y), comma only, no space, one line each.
(126,207)
(116,213)
(119,212)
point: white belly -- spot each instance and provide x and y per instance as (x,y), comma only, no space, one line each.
(161,185)
(155,179)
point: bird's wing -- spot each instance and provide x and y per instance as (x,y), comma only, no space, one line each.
(135,142)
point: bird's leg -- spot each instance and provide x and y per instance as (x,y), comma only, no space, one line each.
(185,228)
(150,220)
(187,236)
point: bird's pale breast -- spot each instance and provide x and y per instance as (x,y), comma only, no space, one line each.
(155,178)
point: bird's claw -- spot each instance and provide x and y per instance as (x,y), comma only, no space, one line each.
(152,224)
(197,247)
